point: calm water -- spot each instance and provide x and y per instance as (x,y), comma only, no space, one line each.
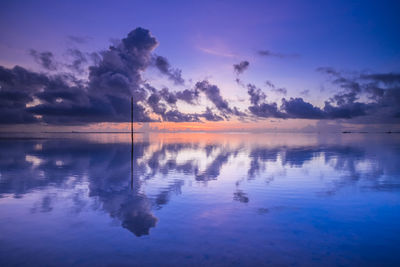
(200,199)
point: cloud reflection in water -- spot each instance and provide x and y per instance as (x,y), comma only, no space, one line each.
(162,165)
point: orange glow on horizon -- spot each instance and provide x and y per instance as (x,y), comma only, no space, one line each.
(268,125)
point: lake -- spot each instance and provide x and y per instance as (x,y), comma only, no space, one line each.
(189,199)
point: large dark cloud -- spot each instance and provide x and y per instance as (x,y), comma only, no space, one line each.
(106,94)
(17,85)
(298,108)
(114,76)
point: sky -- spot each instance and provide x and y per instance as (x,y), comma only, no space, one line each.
(200,65)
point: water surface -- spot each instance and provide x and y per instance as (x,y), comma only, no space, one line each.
(200,199)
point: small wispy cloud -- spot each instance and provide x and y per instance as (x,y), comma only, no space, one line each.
(269,53)
(241,67)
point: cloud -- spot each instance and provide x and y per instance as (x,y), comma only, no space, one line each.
(268,53)
(79,59)
(298,108)
(275,89)
(188,96)
(173,115)
(339,106)
(382,90)
(210,116)
(111,83)
(305,92)
(259,107)
(44,59)
(269,84)
(104,97)
(164,67)
(282,91)
(114,76)
(346,111)
(241,67)
(177,116)
(385,78)
(168,96)
(266,110)
(256,95)
(16,87)
(213,94)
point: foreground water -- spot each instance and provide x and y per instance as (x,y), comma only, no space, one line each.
(200,199)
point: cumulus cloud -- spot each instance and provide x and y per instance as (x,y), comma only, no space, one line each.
(17,86)
(111,83)
(344,104)
(241,67)
(105,96)
(382,90)
(259,107)
(298,108)
(114,76)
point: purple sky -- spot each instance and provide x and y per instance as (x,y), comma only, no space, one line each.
(342,52)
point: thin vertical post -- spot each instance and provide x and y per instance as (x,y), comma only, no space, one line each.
(132,119)
(131,142)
